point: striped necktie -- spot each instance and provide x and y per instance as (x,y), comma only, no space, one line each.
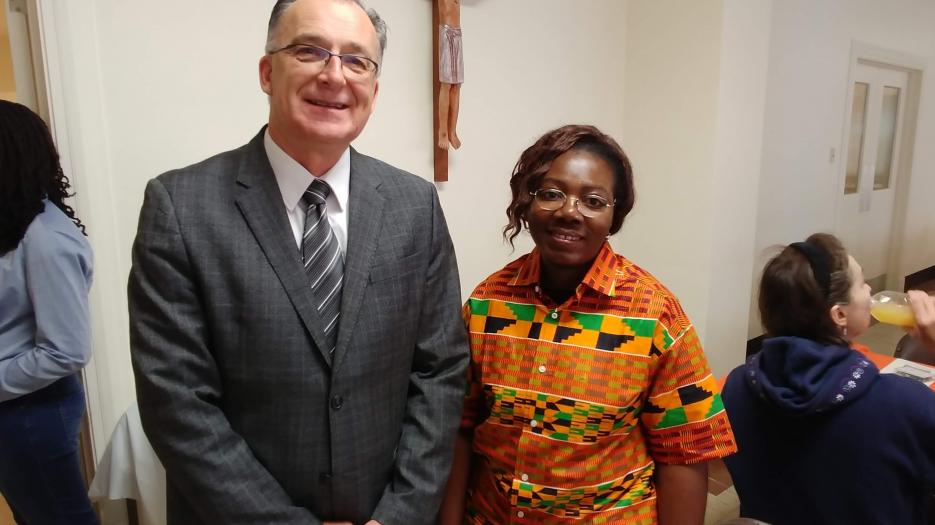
(324,263)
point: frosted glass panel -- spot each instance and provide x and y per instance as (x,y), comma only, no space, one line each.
(888,115)
(856,138)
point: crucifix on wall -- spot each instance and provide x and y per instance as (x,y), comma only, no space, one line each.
(448,77)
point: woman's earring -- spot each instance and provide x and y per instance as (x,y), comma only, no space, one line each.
(845,330)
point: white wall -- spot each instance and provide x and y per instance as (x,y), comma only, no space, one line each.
(143,87)
(673,64)
(739,143)
(809,57)
(715,101)
(524,75)
(695,86)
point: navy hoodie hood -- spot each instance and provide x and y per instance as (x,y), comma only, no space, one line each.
(801,377)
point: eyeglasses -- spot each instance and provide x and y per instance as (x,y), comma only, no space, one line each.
(355,66)
(551,199)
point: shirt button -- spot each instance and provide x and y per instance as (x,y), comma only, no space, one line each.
(524,477)
(520,514)
(541,369)
(554,315)
(533,423)
(337,402)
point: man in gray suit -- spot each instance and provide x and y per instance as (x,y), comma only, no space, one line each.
(294,306)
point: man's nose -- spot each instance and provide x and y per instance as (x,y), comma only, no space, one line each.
(333,70)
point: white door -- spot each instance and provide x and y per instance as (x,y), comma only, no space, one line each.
(865,224)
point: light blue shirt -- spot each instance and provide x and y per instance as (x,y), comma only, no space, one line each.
(45,327)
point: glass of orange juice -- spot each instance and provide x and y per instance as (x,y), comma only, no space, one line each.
(892,308)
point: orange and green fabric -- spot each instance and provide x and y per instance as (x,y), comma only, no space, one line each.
(571,406)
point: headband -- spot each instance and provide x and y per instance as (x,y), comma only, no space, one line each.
(819,260)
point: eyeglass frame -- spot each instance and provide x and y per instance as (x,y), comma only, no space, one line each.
(577,201)
(291,47)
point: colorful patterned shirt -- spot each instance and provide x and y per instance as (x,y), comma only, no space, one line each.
(572,405)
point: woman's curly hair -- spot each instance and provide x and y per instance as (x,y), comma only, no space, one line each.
(536,161)
(29,171)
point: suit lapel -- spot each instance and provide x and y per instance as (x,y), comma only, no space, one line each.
(260,201)
(365,217)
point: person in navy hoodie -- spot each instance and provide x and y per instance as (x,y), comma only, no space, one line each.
(823,437)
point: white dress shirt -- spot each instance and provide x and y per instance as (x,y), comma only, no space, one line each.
(293,180)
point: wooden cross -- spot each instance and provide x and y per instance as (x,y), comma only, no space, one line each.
(447,77)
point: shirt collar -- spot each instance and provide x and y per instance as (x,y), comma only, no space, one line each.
(293,179)
(601,277)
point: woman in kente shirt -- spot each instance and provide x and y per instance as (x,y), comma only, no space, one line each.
(45,335)
(823,437)
(590,399)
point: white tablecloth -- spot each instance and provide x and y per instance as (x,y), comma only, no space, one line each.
(129,469)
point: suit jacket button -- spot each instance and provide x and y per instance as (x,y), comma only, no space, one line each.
(337,402)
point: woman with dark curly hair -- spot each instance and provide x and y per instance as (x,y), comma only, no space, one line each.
(590,399)
(45,275)
(823,436)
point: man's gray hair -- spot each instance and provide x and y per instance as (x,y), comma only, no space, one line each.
(281,5)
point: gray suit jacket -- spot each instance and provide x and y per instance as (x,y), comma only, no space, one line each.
(252,420)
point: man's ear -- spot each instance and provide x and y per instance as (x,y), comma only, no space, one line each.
(266,73)
(838,315)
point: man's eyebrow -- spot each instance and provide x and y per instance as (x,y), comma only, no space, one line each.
(308,38)
(311,38)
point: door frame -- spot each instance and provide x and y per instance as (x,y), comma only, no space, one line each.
(74,68)
(914,66)
(49,97)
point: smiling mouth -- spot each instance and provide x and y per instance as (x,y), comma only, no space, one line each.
(326,104)
(566,237)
